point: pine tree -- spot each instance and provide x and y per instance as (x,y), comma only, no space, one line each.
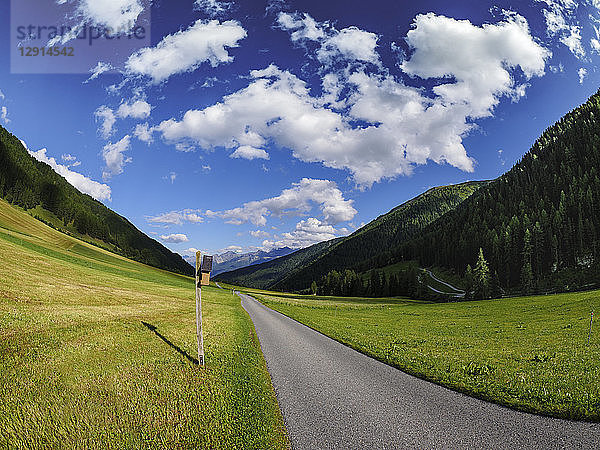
(526,270)
(482,277)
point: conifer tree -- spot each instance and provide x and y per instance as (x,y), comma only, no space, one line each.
(482,277)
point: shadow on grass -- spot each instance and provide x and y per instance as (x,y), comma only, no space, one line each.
(173,346)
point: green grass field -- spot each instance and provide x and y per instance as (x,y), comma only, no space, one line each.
(97,352)
(529,353)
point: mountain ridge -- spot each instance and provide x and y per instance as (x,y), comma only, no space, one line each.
(392,226)
(35,186)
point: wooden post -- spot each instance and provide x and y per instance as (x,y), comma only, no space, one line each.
(199,312)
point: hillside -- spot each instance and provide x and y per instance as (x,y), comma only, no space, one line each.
(99,351)
(538,224)
(269,273)
(36,187)
(386,231)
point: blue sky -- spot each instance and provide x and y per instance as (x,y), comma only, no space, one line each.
(263,124)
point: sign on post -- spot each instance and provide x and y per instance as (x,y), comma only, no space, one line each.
(205,269)
(202,279)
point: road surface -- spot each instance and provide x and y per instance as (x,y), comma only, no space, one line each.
(334,397)
(458,293)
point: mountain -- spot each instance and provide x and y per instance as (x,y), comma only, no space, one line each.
(296,272)
(267,274)
(539,224)
(228,261)
(37,188)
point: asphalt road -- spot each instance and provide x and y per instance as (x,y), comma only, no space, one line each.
(334,397)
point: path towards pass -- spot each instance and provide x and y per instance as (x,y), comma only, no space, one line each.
(334,397)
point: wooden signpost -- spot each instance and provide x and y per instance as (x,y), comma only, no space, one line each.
(202,279)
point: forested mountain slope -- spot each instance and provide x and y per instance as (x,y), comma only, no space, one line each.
(538,224)
(28,183)
(381,234)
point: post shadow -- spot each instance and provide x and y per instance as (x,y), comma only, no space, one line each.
(173,346)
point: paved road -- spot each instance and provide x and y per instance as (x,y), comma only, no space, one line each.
(334,397)
(457,292)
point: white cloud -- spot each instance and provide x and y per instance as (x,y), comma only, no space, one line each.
(68,157)
(213,7)
(114,158)
(107,116)
(473,68)
(582,74)
(248,152)
(4,114)
(308,232)
(302,27)
(477,57)
(70,160)
(259,234)
(143,132)
(297,200)
(174,238)
(186,50)
(139,109)
(350,43)
(81,183)
(2,96)
(231,248)
(561,22)
(177,217)
(120,15)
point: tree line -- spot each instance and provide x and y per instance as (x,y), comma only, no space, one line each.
(538,224)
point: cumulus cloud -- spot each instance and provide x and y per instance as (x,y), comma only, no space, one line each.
(297,200)
(308,232)
(143,132)
(4,114)
(177,217)
(107,118)
(352,43)
(301,26)
(138,109)
(481,75)
(114,157)
(473,68)
(186,50)
(174,238)
(81,183)
(2,96)
(248,152)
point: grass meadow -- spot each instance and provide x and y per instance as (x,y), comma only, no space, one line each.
(98,351)
(528,353)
